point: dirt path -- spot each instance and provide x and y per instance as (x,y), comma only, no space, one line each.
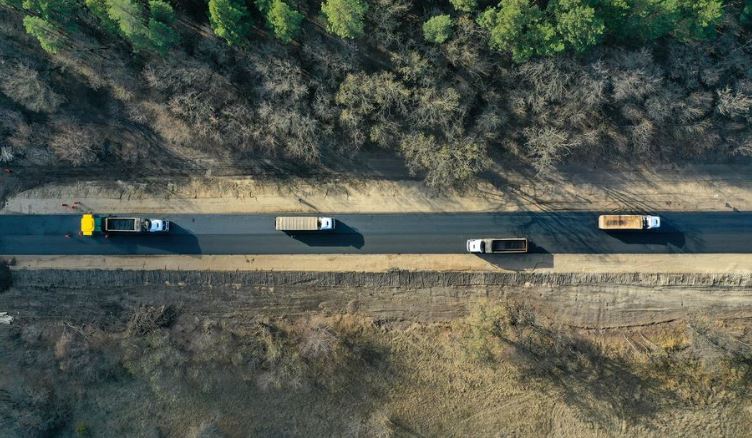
(707,188)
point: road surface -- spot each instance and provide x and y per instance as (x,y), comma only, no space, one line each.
(560,232)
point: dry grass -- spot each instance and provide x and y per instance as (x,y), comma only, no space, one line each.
(505,369)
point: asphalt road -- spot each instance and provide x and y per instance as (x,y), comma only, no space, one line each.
(560,232)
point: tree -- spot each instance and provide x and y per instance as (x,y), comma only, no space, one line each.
(445,165)
(519,27)
(577,24)
(464,5)
(438,29)
(160,34)
(229,20)
(13,4)
(345,17)
(746,17)
(98,8)
(647,20)
(50,38)
(53,11)
(129,16)
(152,32)
(281,18)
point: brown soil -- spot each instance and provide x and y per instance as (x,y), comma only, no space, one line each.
(707,188)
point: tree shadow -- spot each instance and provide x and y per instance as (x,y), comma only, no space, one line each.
(342,235)
(605,390)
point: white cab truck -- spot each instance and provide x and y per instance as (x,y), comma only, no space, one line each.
(135,225)
(303,223)
(497,246)
(628,222)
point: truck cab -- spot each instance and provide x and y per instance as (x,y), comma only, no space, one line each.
(326,223)
(652,222)
(157,225)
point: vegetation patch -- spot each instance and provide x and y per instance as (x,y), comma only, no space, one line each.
(232,375)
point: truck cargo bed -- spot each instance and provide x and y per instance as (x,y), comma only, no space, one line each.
(297,223)
(122,224)
(620,222)
(509,245)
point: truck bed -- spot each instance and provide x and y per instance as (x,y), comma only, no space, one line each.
(297,223)
(122,224)
(620,222)
(509,245)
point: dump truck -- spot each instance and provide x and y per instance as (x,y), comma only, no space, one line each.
(91,224)
(628,222)
(303,223)
(497,246)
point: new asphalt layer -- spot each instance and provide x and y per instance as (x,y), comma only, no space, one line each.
(412,233)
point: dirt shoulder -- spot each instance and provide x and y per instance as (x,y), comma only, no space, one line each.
(707,188)
(535,263)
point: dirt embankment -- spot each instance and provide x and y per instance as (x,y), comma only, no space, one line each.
(581,300)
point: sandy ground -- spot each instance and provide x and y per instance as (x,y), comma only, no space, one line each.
(558,263)
(707,188)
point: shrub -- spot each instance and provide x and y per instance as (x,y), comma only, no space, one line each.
(438,29)
(24,86)
(75,143)
(464,5)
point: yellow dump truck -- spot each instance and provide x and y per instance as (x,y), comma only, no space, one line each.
(628,222)
(91,224)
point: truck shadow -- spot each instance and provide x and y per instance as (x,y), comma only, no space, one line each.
(177,241)
(343,235)
(519,262)
(536,258)
(666,235)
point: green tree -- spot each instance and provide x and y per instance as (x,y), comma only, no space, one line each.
(98,8)
(464,5)
(697,19)
(161,35)
(640,21)
(229,20)
(129,16)
(345,17)
(50,37)
(519,27)
(54,11)
(746,16)
(283,20)
(438,29)
(577,24)
(144,32)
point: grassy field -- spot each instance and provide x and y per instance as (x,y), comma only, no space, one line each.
(503,370)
